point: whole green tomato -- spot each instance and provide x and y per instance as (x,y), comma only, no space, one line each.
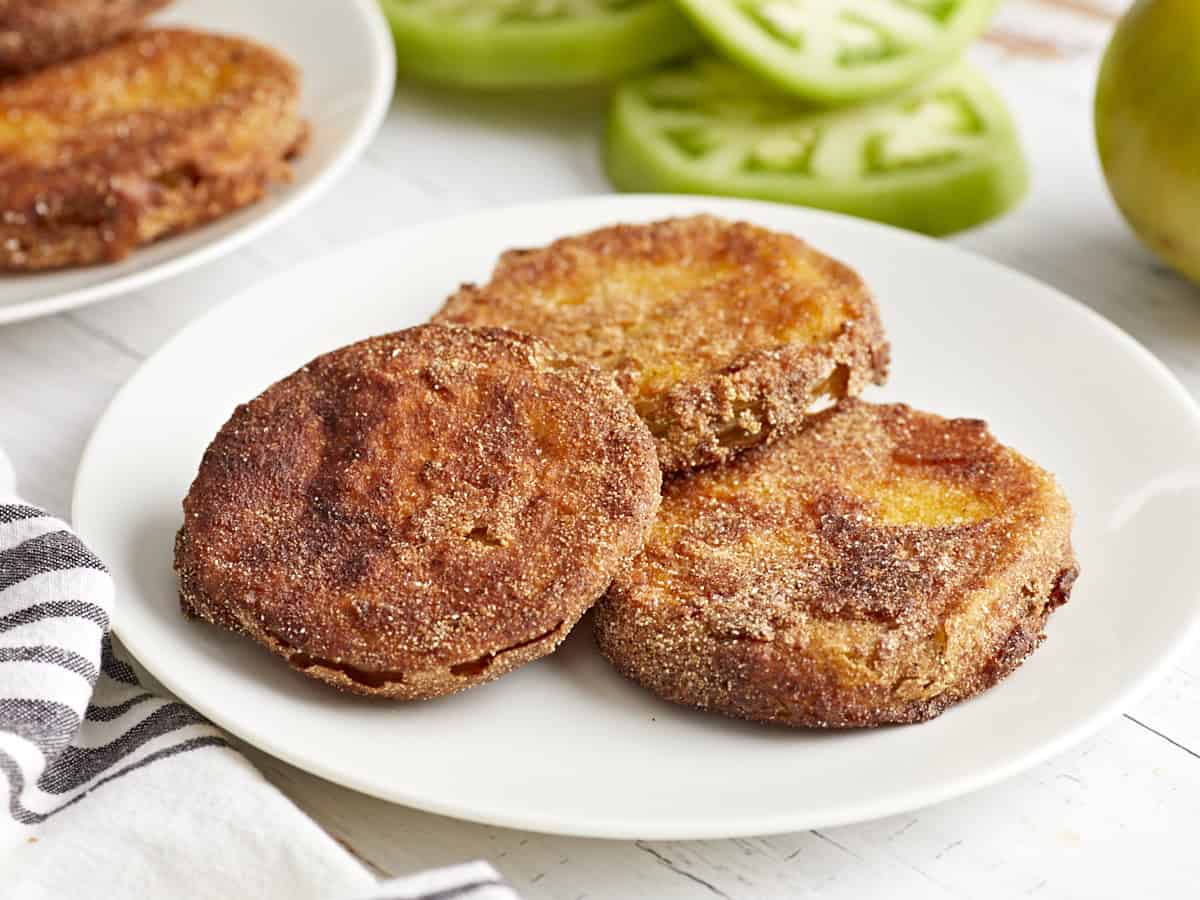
(1147,118)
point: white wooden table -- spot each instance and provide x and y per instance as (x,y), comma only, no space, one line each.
(1115,817)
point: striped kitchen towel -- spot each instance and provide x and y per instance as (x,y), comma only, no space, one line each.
(115,792)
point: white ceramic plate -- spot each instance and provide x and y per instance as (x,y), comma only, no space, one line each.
(346,57)
(565,745)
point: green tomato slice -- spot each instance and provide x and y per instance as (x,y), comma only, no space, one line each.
(834,51)
(522,43)
(939,157)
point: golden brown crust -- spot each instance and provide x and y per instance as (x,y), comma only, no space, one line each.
(722,333)
(35,33)
(157,133)
(420,512)
(875,567)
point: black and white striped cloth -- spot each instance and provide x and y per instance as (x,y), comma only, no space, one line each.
(115,792)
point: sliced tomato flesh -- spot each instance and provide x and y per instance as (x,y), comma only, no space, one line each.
(840,50)
(939,157)
(524,43)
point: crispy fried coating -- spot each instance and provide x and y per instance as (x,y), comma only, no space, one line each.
(876,567)
(36,33)
(723,334)
(420,512)
(155,134)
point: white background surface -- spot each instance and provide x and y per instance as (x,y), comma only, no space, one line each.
(1115,817)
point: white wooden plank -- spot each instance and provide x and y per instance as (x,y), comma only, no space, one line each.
(55,378)
(1172,707)
(1055,831)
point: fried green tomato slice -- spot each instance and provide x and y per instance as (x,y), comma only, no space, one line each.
(875,567)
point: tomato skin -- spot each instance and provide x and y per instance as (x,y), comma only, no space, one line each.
(733,33)
(1147,130)
(516,55)
(940,199)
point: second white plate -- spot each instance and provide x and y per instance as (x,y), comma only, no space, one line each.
(565,745)
(347,61)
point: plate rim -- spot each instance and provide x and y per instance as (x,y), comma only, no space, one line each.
(665,829)
(378,101)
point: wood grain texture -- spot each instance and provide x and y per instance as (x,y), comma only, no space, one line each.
(1104,12)
(1113,817)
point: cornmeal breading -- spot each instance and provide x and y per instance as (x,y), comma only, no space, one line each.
(420,512)
(157,133)
(36,33)
(723,334)
(875,567)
